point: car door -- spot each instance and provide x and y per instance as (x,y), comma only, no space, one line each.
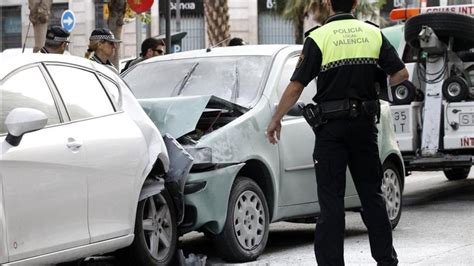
(113,146)
(44,192)
(298,182)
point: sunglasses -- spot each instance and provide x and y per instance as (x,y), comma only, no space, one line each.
(159,51)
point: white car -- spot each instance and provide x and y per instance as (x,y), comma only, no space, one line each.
(78,156)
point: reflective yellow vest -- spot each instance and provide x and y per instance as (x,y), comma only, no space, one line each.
(347,42)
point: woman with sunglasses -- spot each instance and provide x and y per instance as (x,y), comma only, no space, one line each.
(102,46)
(150,47)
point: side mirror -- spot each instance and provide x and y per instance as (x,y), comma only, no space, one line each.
(23,120)
(297,109)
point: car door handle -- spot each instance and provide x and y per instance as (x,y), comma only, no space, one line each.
(73,144)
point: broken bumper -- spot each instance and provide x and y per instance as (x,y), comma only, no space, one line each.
(206,198)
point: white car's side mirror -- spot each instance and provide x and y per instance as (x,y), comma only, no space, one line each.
(23,120)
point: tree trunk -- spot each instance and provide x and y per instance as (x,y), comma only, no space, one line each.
(115,23)
(40,11)
(217,19)
(298,26)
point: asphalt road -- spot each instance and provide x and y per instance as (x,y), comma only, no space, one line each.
(436,228)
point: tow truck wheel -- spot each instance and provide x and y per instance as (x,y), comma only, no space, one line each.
(457,173)
(445,25)
(455,89)
(403,93)
(245,232)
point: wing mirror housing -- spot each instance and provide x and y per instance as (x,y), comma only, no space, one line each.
(21,121)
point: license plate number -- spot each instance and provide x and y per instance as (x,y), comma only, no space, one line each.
(401,121)
(466,119)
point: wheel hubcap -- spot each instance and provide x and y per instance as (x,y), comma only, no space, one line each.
(157,226)
(454,89)
(391,190)
(401,92)
(249,220)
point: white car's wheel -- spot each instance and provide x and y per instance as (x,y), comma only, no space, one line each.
(245,232)
(156,236)
(392,189)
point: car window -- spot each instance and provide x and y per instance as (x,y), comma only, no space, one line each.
(112,89)
(27,88)
(238,79)
(288,69)
(81,91)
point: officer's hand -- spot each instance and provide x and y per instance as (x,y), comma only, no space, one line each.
(273,128)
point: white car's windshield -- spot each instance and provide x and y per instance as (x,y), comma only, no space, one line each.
(234,78)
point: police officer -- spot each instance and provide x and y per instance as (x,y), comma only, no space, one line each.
(344,55)
(57,40)
(102,46)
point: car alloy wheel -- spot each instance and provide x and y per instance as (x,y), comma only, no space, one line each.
(157,227)
(156,236)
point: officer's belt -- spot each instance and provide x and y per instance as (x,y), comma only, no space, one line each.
(339,109)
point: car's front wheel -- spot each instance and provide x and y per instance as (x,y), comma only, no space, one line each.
(245,232)
(156,236)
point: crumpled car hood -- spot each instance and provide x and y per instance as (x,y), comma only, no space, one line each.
(179,116)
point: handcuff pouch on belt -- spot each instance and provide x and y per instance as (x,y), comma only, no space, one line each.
(319,114)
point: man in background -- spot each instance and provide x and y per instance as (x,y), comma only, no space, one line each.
(151,47)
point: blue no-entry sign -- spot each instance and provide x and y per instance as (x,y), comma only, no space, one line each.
(68,20)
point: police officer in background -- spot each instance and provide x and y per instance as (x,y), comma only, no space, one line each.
(57,40)
(151,47)
(344,55)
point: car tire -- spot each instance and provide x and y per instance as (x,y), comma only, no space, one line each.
(155,223)
(392,188)
(457,173)
(455,89)
(403,93)
(445,25)
(245,232)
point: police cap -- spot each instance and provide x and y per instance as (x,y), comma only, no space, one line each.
(103,34)
(56,34)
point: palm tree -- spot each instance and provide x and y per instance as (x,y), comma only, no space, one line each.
(217,19)
(115,23)
(40,11)
(297,10)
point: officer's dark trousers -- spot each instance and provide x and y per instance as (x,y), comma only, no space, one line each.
(341,143)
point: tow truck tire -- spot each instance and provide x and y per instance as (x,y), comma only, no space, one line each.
(403,93)
(246,228)
(455,89)
(457,173)
(445,25)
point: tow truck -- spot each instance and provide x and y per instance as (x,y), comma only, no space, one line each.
(433,113)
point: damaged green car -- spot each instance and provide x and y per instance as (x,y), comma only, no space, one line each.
(217,104)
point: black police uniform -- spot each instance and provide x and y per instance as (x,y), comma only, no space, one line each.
(345,74)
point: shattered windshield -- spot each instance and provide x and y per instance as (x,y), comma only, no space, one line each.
(237,79)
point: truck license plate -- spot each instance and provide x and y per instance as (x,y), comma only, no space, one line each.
(401,121)
(466,119)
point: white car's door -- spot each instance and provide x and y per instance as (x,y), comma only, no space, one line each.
(44,188)
(298,181)
(114,149)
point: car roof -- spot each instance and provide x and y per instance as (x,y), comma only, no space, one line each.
(10,62)
(246,50)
